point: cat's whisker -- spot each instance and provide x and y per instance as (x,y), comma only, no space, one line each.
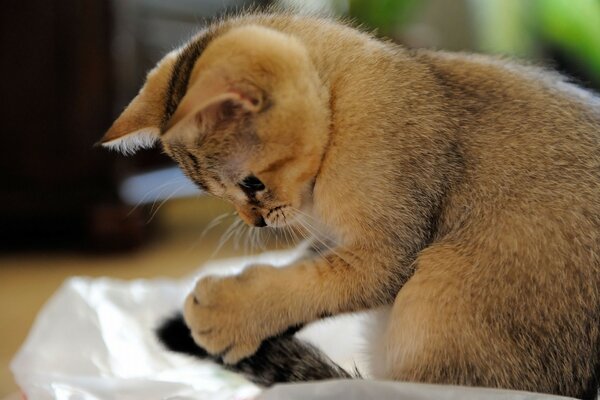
(314,231)
(246,239)
(211,225)
(308,218)
(163,203)
(271,238)
(249,240)
(255,233)
(318,237)
(266,238)
(235,237)
(227,235)
(285,230)
(239,235)
(151,191)
(162,188)
(260,238)
(319,242)
(308,236)
(252,240)
(253,246)
(293,236)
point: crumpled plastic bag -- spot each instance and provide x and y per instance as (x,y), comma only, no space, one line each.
(94,339)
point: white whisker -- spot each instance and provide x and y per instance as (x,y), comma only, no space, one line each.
(163,203)
(151,191)
(211,225)
(227,235)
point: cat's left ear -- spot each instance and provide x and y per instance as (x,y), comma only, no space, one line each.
(138,126)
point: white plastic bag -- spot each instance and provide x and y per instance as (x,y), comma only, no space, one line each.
(94,339)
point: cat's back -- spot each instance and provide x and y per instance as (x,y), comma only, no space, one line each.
(530,143)
(521,121)
(512,96)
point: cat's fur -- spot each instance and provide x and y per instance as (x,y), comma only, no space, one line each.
(461,191)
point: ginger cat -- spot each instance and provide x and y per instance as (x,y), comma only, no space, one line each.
(461,194)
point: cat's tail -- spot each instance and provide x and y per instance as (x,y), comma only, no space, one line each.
(280,359)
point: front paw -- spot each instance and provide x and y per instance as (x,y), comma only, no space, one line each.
(231,316)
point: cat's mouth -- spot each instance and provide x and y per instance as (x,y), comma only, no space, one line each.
(275,217)
(279,216)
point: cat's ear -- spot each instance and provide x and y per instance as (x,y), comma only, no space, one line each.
(208,103)
(138,126)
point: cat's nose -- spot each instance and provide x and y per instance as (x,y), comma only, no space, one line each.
(251,216)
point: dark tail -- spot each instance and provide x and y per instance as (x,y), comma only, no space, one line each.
(280,359)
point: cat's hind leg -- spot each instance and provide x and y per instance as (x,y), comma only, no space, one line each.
(465,321)
(280,359)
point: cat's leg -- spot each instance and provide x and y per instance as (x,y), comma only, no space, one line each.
(458,322)
(428,337)
(279,359)
(233,315)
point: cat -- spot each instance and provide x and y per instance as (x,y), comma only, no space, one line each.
(458,194)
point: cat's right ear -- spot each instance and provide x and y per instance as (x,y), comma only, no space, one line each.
(138,126)
(210,101)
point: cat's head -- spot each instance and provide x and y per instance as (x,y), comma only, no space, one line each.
(252,126)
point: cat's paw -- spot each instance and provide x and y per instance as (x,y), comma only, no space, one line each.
(231,316)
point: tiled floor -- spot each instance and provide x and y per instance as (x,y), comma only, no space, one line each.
(27,280)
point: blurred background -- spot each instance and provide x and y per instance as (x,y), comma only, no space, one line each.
(70,66)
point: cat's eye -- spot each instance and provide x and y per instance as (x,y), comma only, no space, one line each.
(252,184)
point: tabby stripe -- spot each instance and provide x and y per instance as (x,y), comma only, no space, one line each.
(194,161)
(180,76)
